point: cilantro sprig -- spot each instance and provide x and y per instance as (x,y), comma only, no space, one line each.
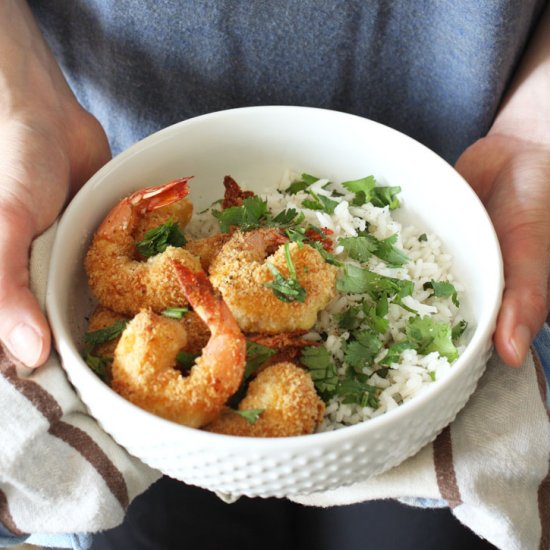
(157,240)
(254,213)
(287,289)
(365,245)
(367,190)
(443,289)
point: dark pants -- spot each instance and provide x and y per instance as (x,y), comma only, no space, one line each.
(171,515)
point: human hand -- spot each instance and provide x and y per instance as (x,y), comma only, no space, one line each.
(512,178)
(50,147)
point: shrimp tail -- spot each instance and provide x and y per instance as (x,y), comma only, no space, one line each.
(151,198)
(126,213)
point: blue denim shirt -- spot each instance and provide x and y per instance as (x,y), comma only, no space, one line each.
(433,70)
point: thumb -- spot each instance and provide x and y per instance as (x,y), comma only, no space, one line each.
(23,327)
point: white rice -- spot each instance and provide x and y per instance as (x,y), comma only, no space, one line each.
(427,261)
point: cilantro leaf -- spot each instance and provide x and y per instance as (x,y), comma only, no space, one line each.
(374,315)
(250,415)
(106,334)
(256,356)
(428,335)
(357,280)
(186,360)
(320,202)
(301,185)
(360,248)
(321,368)
(349,320)
(361,350)
(358,391)
(386,196)
(362,185)
(158,239)
(443,289)
(287,289)
(286,218)
(458,330)
(175,312)
(389,253)
(247,216)
(394,352)
(98,363)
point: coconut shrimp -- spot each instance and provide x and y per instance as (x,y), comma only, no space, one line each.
(241,271)
(144,367)
(122,283)
(286,397)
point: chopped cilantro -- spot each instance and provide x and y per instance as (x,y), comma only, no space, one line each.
(357,280)
(458,330)
(256,356)
(362,247)
(98,363)
(366,190)
(443,289)
(349,320)
(250,415)
(319,202)
(359,248)
(374,315)
(107,334)
(158,239)
(287,217)
(287,289)
(394,352)
(247,216)
(422,238)
(175,312)
(186,360)
(386,196)
(361,350)
(322,370)
(428,335)
(356,390)
(301,185)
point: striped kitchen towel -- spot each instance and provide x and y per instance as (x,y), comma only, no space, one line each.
(490,466)
(59,471)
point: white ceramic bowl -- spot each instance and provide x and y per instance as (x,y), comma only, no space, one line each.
(256,146)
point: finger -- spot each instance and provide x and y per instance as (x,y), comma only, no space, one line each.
(525,300)
(23,327)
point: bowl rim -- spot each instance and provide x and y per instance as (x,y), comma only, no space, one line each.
(68,349)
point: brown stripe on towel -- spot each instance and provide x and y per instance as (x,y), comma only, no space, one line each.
(544,488)
(5,516)
(73,436)
(444,468)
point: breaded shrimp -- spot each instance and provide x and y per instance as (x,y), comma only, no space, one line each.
(144,365)
(241,271)
(208,248)
(117,280)
(287,398)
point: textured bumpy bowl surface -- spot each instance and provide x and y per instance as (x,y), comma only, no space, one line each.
(256,146)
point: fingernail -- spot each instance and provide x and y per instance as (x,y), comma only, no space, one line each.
(25,343)
(521,341)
